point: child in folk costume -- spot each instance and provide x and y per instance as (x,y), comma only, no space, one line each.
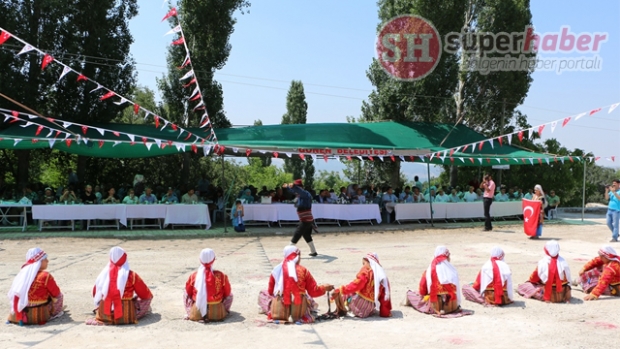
(207,292)
(34,296)
(237,217)
(291,289)
(439,291)
(369,291)
(493,284)
(549,282)
(114,290)
(601,275)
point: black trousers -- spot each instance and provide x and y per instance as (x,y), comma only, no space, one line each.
(487,213)
(303,229)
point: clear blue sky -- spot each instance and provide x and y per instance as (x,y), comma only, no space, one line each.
(329,45)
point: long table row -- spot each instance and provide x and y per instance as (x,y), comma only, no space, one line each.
(177,214)
(287,212)
(458,210)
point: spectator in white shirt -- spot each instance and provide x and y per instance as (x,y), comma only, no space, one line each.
(417,196)
(459,193)
(454,197)
(189,198)
(502,196)
(131,198)
(389,196)
(529,195)
(431,196)
(480,194)
(471,195)
(441,196)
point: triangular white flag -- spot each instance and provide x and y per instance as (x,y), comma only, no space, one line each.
(462,160)
(100,130)
(562,159)
(51,141)
(65,71)
(443,156)
(337,158)
(96,88)
(380,158)
(532,161)
(547,160)
(199,104)
(289,155)
(195,92)
(473,148)
(148,145)
(402,158)
(180,146)
(264,152)
(85,140)
(480,160)
(491,142)
(577,158)
(510,139)
(432,156)
(31,117)
(25,49)
(579,116)
(165,124)
(188,75)
(122,101)
(613,106)
(235,150)
(158,142)
(131,137)
(530,133)
(17,140)
(313,157)
(421,157)
(516,160)
(553,124)
(50,134)
(174,30)
(67,135)
(499,161)
(66,124)
(28,123)
(146,115)
(206,150)
(361,159)
(116,143)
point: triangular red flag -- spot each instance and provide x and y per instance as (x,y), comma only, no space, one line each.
(57,134)
(451,159)
(506,159)
(189,134)
(571,159)
(84,129)
(451,151)
(34,140)
(4,36)
(39,129)
(325,158)
(555,159)
(248,152)
(136,109)
(520,136)
(179,41)
(302,156)
(539,161)
(540,130)
(156,121)
(174,127)
(488,161)
(348,157)
(81,77)
(101,144)
(196,97)
(523,160)
(116,134)
(480,146)
(132,143)
(108,95)
(501,143)
(594,111)
(14,113)
(195,148)
(144,139)
(192,81)
(47,59)
(465,148)
(472,160)
(171,13)
(275,154)
(68,141)
(566,120)
(411,157)
(613,158)
(169,143)
(392,158)
(370,158)
(185,64)
(596,159)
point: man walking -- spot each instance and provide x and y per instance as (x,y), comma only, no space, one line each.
(612,193)
(489,194)
(306,220)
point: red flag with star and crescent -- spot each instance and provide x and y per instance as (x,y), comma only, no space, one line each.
(531,216)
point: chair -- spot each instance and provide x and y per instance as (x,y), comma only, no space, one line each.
(216,212)
(553,213)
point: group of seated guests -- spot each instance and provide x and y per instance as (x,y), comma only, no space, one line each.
(120,296)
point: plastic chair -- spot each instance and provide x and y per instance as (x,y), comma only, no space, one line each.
(553,213)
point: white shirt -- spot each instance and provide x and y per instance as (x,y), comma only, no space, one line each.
(470,197)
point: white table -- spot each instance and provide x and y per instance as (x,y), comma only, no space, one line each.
(459,210)
(5,209)
(142,212)
(187,215)
(287,212)
(89,213)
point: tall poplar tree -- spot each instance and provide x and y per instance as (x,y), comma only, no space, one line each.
(296,113)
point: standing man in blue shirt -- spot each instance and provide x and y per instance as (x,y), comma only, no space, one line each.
(612,193)
(306,220)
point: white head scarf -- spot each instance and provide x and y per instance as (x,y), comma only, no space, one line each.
(102,284)
(486,273)
(22,282)
(380,278)
(553,249)
(609,253)
(542,194)
(277,273)
(446,273)
(207,256)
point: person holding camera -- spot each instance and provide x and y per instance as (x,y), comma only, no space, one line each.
(489,194)
(612,193)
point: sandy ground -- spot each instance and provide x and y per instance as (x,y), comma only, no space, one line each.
(166,264)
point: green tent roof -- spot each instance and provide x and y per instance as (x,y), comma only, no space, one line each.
(401,140)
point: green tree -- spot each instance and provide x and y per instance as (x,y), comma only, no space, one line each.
(296,113)
(265,160)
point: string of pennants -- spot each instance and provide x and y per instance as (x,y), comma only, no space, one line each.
(190,75)
(478,145)
(108,93)
(55,135)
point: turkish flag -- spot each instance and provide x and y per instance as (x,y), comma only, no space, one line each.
(531,216)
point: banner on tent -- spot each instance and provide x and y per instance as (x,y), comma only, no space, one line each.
(342,151)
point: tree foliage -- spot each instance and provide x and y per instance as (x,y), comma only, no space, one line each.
(296,113)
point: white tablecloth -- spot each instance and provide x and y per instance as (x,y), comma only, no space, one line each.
(187,214)
(287,212)
(460,210)
(80,212)
(146,211)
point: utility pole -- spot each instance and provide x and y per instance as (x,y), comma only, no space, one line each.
(501,132)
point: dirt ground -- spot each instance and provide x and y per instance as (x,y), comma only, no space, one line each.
(166,264)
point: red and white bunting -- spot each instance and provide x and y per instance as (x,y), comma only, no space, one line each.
(65,70)
(171,13)
(613,106)
(174,30)
(188,75)
(4,36)
(580,116)
(25,49)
